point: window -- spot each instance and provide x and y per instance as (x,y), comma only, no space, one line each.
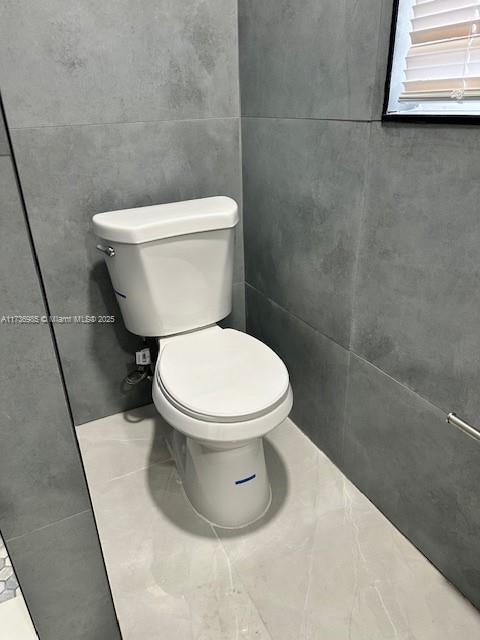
(434,65)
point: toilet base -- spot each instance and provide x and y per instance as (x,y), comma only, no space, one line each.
(223,526)
(226,483)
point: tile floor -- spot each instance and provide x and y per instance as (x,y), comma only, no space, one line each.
(15,622)
(8,582)
(322,564)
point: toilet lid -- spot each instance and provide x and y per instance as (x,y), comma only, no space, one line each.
(224,375)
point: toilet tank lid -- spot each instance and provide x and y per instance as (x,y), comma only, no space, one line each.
(144,224)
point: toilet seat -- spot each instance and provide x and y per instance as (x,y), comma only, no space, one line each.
(221,385)
(222,376)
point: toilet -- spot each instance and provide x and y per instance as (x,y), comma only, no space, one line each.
(219,390)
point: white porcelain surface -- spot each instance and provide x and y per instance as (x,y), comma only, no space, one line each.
(174,284)
(217,432)
(225,374)
(227,484)
(145,224)
(15,622)
(226,384)
(323,564)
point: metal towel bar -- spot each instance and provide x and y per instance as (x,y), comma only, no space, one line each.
(452,418)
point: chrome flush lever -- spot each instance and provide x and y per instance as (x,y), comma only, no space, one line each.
(109,251)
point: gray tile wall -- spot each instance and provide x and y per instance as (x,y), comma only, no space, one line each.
(45,513)
(310,59)
(114,105)
(361,257)
(317,367)
(291,172)
(118,61)
(109,106)
(422,473)
(417,299)
(111,167)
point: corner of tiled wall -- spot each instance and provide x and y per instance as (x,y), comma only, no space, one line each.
(360,255)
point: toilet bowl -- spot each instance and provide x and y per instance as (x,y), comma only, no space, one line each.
(220,390)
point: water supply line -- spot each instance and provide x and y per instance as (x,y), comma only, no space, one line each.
(145,360)
(138,375)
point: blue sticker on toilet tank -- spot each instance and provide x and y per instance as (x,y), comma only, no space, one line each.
(247,479)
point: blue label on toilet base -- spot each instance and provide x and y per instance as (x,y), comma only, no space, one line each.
(247,479)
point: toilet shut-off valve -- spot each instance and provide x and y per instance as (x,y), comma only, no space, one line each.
(143,360)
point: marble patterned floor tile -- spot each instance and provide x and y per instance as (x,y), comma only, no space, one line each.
(323,564)
(346,572)
(120,444)
(8,582)
(168,571)
(15,621)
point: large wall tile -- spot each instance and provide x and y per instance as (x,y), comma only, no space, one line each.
(40,474)
(417,302)
(308,59)
(100,62)
(303,192)
(63,579)
(70,173)
(421,472)
(317,367)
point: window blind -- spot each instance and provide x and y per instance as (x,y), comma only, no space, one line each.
(443,61)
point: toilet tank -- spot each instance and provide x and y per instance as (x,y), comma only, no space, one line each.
(171,265)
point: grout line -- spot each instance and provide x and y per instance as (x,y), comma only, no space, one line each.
(237,51)
(135,471)
(242,189)
(401,384)
(293,315)
(54,343)
(350,351)
(346,120)
(46,526)
(120,122)
(240,160)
